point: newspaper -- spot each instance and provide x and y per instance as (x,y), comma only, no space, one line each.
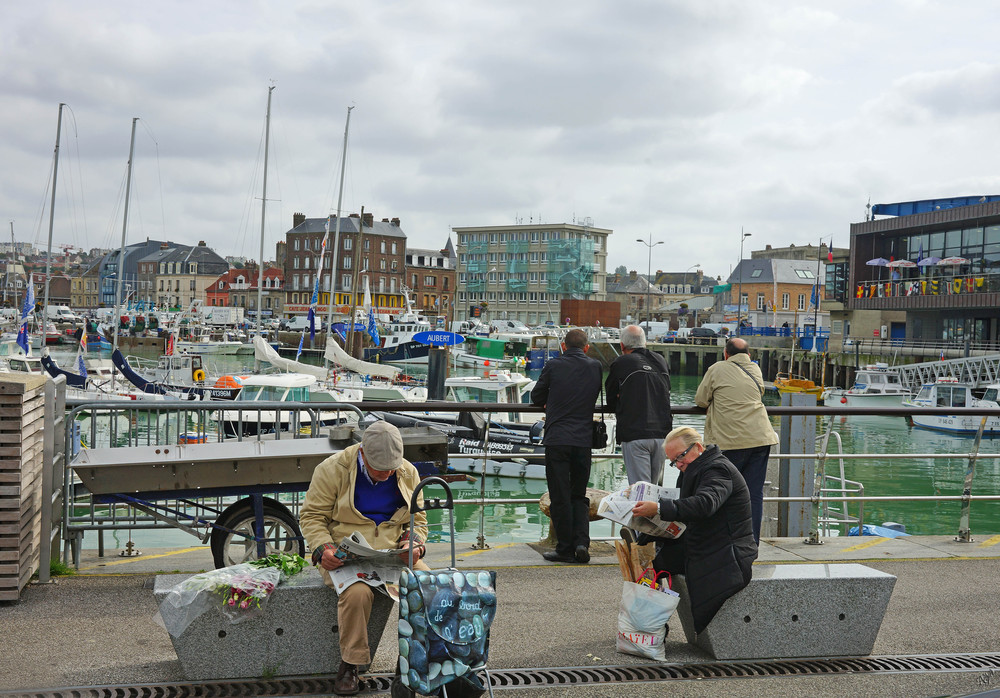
(362,563)
(617,507)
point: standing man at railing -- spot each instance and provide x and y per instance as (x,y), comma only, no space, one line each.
(638,391)
(737,420)
(568,390)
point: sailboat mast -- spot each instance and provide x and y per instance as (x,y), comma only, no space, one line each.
(336,240)
(121,251)
(263,216)
(52,212)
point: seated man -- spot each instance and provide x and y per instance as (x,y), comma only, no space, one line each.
(716,551)
(365,488)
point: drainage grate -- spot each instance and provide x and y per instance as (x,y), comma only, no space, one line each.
(551,676)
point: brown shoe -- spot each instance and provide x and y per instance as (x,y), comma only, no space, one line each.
(346,683)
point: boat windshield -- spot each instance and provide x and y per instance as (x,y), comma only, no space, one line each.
(892,378)
(990,394)
(465,393)
(925,393)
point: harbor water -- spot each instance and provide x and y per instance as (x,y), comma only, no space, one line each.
(523,522)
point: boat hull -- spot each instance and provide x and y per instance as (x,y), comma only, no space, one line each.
(963,426)
(848,399)
(406,353)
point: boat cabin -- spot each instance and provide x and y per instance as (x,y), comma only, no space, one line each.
(279,387)
(878,379)
(946,392)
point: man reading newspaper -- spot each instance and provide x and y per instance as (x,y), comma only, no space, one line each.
(361,494)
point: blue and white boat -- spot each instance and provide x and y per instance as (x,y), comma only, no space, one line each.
(397,345)
(948,392)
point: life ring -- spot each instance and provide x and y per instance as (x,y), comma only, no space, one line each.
(198,375)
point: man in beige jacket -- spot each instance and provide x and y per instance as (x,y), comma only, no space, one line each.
(365,488)
(737,420)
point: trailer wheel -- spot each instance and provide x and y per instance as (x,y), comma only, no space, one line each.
(280,529)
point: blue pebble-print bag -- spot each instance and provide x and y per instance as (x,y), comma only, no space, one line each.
(444,627)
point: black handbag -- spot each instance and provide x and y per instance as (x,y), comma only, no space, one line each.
(599,433)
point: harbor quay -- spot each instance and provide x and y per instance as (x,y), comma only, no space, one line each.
(94,633)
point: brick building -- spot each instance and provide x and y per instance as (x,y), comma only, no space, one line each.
(431,276)
(376,249)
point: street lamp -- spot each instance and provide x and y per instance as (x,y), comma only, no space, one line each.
(739,295)
(693,266)
(649,269)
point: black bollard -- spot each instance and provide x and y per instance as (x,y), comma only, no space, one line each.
(437,368)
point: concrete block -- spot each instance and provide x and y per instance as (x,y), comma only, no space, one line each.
(296,634)
(789,611)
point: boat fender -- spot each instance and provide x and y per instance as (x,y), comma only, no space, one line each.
(843,401)
(198,375)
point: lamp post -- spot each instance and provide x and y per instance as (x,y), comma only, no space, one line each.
(649,269)
(693,266)
(739,294)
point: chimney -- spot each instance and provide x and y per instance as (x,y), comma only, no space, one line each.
(768,246)
(395,222)
(354,215)
(385,220)
(298,219)
(201,243)
(164,246)
(369,220)
(632,276)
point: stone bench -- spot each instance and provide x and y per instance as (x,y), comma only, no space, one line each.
(817,610)
(297,633)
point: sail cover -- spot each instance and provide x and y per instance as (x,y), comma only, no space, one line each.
(337,355)
(264,352)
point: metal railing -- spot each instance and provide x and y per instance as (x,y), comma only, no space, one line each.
(829,499)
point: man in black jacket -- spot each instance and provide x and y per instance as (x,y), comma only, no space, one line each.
(717,550)
(568,390)
(638,389)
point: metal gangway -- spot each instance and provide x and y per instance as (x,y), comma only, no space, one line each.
(976,371)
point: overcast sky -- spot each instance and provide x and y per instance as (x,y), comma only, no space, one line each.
(681,120)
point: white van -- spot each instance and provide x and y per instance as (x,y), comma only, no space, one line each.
(62,313)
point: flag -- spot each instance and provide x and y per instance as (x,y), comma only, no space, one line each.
(829,253)
(29,306)
(814,301)
(312,323)
(170,344)
(372,328)
(81,365)
(942,354)
(299,352)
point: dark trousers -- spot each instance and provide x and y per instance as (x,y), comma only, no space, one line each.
(752,464)
(567,472)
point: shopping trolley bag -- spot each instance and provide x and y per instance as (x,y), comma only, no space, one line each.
(444,621)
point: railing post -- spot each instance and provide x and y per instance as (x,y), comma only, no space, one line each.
(798,435)
(819,479)
(964,529)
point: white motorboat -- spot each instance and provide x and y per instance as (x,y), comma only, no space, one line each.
(948,392)
(874,386)
(200,342)
(282,387)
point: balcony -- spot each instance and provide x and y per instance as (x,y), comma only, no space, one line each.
(940,292)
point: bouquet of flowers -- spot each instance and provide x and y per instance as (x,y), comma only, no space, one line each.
(239,592)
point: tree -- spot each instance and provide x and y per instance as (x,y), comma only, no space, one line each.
(622,270)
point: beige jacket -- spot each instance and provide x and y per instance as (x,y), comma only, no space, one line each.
(328,513)
(736,416)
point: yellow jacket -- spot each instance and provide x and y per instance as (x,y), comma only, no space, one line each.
(328,513)
(736,416)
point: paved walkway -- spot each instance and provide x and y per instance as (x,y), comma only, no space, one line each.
(96,628)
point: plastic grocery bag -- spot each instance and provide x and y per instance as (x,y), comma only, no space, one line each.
(642,620)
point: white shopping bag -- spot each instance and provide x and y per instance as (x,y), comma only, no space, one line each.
(642,620)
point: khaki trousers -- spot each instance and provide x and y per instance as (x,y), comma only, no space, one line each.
(354,608)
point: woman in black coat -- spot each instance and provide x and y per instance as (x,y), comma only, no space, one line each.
(716,551)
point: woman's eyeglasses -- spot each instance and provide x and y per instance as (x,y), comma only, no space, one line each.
(680,455)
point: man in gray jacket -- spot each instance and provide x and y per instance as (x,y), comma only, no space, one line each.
(638,390)
(737,420)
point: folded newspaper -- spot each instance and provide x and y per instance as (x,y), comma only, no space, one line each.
(362,563)
(617,507)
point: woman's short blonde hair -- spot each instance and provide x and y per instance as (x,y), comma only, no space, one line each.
(686,435)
